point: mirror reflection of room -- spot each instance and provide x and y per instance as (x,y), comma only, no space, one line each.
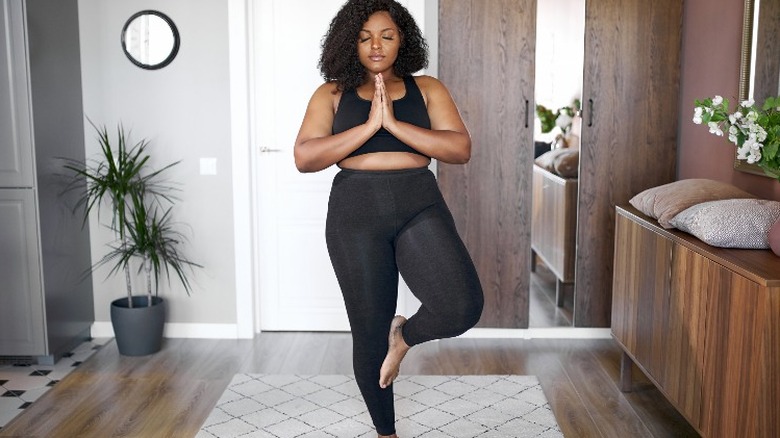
(560,41)
(765,62)
(150,39)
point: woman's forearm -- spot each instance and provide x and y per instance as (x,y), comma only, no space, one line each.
(319,153)
(444,145)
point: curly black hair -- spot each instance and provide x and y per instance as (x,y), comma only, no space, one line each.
(339,61)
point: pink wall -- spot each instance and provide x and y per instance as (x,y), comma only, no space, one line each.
(712,32)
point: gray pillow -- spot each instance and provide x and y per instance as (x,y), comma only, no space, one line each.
(666,201)
(730,223)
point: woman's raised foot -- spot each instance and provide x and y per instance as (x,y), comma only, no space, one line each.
(395,353)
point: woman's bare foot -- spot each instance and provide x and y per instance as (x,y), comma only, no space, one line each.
(395,353)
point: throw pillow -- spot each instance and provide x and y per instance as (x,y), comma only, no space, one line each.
(547,159)
(567,164)
(730,223)
(562,161)
(666,201)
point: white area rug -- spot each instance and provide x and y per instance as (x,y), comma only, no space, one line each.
(288,406)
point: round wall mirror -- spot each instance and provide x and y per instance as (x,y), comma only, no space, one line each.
(150,39)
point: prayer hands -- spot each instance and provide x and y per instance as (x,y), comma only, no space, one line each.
(381,114)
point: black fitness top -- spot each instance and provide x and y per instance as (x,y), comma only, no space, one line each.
(353,110)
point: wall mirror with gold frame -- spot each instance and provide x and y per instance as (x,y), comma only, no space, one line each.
(760,61)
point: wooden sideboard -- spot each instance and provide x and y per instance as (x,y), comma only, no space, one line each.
(703,323)
(554,227)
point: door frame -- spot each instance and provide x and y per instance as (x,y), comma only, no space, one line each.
(244,182)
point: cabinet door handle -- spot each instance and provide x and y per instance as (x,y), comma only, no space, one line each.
(590,112)
(527,114)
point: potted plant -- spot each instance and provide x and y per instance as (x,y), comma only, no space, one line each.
(561,118)
(140,203)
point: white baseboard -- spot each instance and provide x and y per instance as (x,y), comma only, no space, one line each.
(103,329)
(546,332)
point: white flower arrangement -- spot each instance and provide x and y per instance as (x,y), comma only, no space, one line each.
(755,132)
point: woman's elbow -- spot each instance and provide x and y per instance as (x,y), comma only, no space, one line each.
(464,153)
(302,162)
(302,168)
(465,156)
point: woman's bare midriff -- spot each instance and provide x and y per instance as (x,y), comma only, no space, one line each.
(385,161)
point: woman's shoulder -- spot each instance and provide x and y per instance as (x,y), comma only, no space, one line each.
(427,81)
(329,88)
(430,87)
(329,93)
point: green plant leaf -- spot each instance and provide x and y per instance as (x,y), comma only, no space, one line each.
(120,178)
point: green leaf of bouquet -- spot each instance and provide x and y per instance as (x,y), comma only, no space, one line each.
(771,102)
(769,151)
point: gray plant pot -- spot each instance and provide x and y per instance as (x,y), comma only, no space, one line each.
(138,330)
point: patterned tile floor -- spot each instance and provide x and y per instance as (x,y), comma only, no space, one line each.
(21,385)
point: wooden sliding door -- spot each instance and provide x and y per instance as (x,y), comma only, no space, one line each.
(486,59)
(629,132)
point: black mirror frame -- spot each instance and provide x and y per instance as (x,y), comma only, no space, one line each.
(174,49)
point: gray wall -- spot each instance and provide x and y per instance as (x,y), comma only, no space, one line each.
(184,110)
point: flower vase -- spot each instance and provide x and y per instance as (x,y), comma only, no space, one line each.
(774,238)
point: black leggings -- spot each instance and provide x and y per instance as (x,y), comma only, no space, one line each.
(381,223)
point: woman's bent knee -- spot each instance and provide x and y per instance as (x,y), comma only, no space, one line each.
(465,314)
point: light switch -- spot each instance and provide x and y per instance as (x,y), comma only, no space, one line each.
(208,166)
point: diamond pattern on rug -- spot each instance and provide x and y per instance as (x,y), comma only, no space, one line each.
(288,406)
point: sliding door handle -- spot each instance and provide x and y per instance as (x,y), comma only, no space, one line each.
(527,113)
(590,112)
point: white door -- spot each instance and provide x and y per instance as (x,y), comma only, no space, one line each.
(297,287)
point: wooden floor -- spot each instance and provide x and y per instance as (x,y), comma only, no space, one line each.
(542,308)
(169,394)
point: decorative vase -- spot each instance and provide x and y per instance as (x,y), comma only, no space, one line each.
(774,238)
(139,329)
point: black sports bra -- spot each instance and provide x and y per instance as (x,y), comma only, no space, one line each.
(353,110)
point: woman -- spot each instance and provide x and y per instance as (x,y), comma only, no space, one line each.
(382,126)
